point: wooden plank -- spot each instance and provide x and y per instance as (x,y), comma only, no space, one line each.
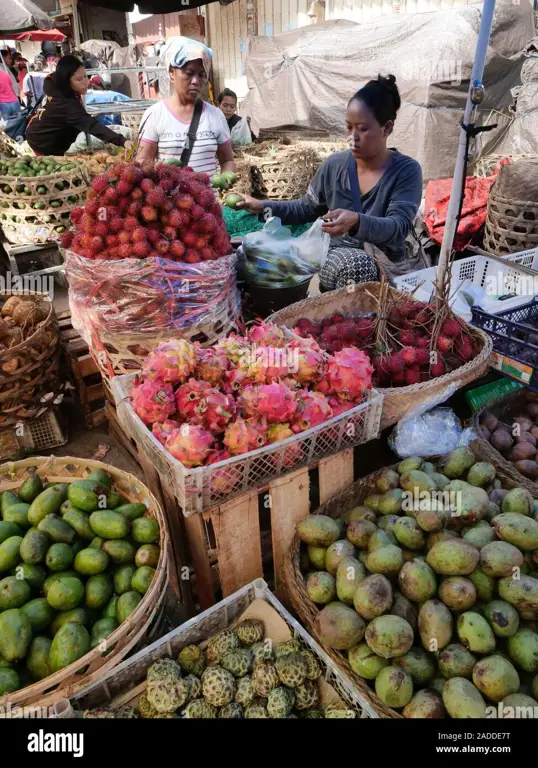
(289,499)
(237,531)
(86,366)
(75,345)
(180,578)
(205,590)
(96,419)
(243,32)
(335,474)
(237,11)
(95,392)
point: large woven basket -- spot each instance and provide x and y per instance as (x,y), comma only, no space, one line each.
(280,172)
(512,217)
(397,401)
(131,632)
(30,377)
(28,216)
(503,409)
(303,606)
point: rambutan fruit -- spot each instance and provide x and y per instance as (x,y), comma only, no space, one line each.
(184,202)
(131,223)
(438,369)
(203,178)
(168,206)
(116,224)
(123,188)
(114,172)
(153,235)
(464,349)
(174,219)
(398,379)
(170,233)
(96,245)
(123,205)
(201,242)
(88,223)
(190,238)
(184,187)
(184,218)
(124,237)
(335,319)
(91,194)
(177,249)
(129,175)
(99,184)
(395,364)
(208,254)
(124,251)
(155,197)
(76,214)
(409,356)
(412,375)
(422,356)
(139,235)
(149,214)
(208,223)
(197,212)
(146,185)
(409,338)
(110,196)
(424,317)
(451,328)
(66,239)
(112,241)
(162,246)
(444,344)
(92,206)
(192,256)
(101,229)
(137,194)
(134,208)
(85,240)
(167,185)
(205,198)
(423,343)
(141,249)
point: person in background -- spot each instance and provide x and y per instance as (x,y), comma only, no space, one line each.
(165,125)
(20,65)
(50,52)
(7,57)
(61,115)
(368,196)
(32,86)
(227,103)
(98,94)
(9,102)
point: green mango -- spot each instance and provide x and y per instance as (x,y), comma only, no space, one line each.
(145,530)
(114,500)
(48,502)
(126,604)
(18,514)
(59,557)
(39,613)
(54,577)
(37,661)
(147,554)
(84,499)
(9,680)
(70,643)
(99,590)
(8,499)
(110,610)
(131,511)
(66,593)
(102,629)
(79,522)
(30,489)
(73,616)
(97,542)
(34,575)
(101,476)
(15,634)
(58,530)
(110,525)
(14,592)
(10,553)
(123,577)
(7,530)
(143,577)
(120,552)
(463,700)
(34,546)
(91,561)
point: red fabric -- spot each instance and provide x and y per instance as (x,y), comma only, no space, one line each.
(38,35)
(473,215)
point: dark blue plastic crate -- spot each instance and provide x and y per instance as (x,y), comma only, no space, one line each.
(510,332)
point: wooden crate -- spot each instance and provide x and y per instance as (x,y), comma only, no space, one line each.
(84,373)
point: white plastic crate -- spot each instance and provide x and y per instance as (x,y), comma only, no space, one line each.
(481,270)
(206,487)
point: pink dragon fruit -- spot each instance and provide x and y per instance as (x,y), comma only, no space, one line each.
(349,373)
(236,380)
(310,364)
(163,431)
(293,454)
(322,386)
(190,445)
(234,347)
(312,409)
(171,362)
(190,398)
(212,365)
(153,401)
(241,437)
(216,411)
(223,481)
(275,401)
(267,364)
(340,406)
(266,334)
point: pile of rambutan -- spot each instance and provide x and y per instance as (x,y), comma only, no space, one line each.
(139,211)
(409,356)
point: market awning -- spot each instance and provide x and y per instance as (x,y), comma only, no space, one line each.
(37,36)
(153,6)
(21,16)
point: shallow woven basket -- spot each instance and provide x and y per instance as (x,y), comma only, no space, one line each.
(400,400)
(131,632)
(503,409)
(485,165)
(30,371)
(29,225)
(511,224)
(303,606)
(280,172)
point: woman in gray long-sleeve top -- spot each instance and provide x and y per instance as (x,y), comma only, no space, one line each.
(367,195)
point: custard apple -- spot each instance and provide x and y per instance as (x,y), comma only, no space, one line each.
(344,714)
(257,710)
(280,702)
(218,686)
(101,713)
(292,717)
(250,631)
(244,693)
(221,644)
(125,713)
(313,714)
(164,670)
(233,711)
(292,669)
(313,670)
(264,678)
(199,709)
(237,662)
(192,660)
(145,709)
(195,687)
(164,696)
(306,695)
(183,690)
(289,646)
(262,651)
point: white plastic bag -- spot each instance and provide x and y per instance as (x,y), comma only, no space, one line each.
(240,134)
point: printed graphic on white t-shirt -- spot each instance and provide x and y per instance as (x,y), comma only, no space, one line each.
(159,126)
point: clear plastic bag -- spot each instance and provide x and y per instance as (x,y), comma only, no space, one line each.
(274,258)
(430,430)
(240,134)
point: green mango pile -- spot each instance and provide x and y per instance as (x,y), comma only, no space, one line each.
(430,588)
(28,166)
(75,561)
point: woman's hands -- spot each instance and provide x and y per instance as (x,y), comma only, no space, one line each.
(251,205)
(128,144)
(340,221)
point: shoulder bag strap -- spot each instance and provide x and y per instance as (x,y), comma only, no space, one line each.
(191,133)
(354,182)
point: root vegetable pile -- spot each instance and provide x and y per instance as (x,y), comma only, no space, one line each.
(515,437)
(207,405)
(136,211)
(20,315)
(405,355)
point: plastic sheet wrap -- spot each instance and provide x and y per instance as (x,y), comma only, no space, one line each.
(148,296)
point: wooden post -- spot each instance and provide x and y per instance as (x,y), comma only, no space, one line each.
(335,474)
(194,526)
(289,497)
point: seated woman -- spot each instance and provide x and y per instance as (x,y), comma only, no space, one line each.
(61,115)
(239,126)
(165,125)
(369,195)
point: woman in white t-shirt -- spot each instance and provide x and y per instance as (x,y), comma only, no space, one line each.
(164,126)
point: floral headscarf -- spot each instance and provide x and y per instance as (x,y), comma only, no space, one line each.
(180,50)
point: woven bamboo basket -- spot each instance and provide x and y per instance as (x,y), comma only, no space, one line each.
(281,172)
(30,377)
(511,225)
(485,165)
(131,632)
(132,119)
(504,409)
(397,401)
(303,606)
(29,216)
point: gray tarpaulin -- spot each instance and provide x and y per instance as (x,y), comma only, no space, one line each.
(306,77)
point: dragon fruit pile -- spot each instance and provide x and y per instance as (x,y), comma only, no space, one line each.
(245,392)
(140,211)
(410,359)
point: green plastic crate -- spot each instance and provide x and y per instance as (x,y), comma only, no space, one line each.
(495,390)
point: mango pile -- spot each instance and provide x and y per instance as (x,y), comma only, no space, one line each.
(75,561)
(430,588)
(238,674)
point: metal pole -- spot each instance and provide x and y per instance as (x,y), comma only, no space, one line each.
(484,33)
(76,29)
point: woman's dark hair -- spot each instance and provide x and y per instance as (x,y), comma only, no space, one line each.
(65,69)
(382,97)
(226,92)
